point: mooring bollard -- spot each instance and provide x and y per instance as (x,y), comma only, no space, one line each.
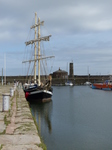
(11,92)
(5,102)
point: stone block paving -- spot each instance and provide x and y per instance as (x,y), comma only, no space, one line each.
(21,132)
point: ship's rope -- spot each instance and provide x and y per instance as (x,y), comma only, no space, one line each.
(44,68)
(30,57)
(51,61)
(26,55)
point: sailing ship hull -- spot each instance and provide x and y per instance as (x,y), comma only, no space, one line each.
(39,96)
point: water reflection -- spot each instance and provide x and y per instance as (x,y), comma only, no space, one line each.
(42,114)
(77,118)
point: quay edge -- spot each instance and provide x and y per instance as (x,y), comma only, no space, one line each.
(17,126)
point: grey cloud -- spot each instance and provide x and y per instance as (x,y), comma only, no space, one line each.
(81,29)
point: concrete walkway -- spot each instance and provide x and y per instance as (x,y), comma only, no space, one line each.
(17,130)
(11,127)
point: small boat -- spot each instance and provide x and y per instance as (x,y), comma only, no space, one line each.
(38,91)
(87,83)
(107,85)
(69,83)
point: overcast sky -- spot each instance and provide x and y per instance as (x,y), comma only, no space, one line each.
(81,32)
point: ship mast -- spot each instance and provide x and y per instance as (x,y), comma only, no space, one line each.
(35,48)
(39,52)
(39,39)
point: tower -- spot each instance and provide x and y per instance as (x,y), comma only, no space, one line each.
(71,71)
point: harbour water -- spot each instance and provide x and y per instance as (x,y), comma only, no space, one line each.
(77,118)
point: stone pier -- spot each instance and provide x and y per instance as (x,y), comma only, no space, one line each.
(17,128)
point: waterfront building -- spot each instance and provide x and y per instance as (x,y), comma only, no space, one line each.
(60,74)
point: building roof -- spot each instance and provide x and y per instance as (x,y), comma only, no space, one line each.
(60,71)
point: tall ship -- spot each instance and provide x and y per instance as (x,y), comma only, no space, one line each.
(38,91)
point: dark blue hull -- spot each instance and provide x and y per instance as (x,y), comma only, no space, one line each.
(39,96)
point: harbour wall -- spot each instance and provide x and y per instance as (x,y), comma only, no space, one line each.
(18,128)
(76,79)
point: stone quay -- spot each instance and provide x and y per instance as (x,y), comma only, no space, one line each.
(18,129)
